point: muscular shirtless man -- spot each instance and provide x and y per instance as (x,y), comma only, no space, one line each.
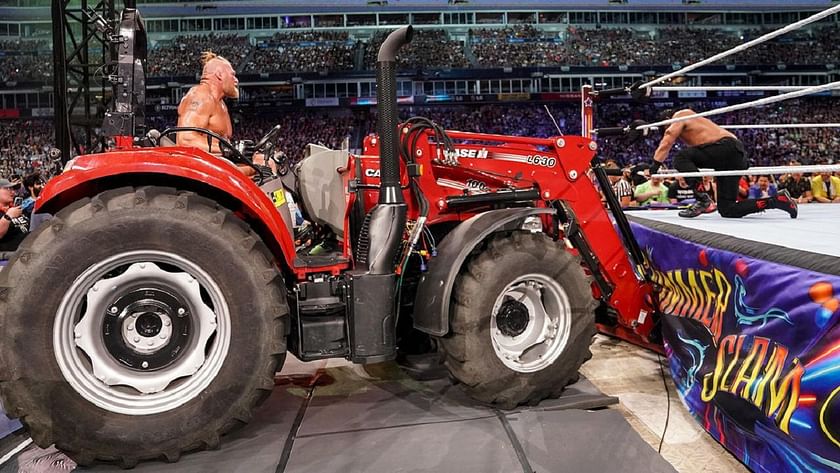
(204,106)
(710,146)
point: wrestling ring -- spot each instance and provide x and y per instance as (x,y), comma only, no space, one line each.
(752,305)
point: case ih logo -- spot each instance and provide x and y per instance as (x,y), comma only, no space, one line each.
(372,172)
(465,153)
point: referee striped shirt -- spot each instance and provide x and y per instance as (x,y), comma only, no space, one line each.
(622,188)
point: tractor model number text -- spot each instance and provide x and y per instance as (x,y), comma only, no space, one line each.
(545,161)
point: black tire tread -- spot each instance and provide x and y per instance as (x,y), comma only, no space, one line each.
(476,377)
(12,389)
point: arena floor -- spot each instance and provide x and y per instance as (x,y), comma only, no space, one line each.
(642,400)
(341,417)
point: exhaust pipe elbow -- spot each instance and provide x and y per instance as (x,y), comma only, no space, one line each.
(394,41)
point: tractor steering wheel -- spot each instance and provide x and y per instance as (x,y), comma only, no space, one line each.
(228,149)
(268,137)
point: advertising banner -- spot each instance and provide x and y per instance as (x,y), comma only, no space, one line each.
(322,102)
(754,350)
(9,113)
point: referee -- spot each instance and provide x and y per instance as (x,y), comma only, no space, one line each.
(621,185)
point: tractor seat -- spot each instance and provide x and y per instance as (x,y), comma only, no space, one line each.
(321,187)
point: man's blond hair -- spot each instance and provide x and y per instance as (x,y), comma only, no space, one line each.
(208,56)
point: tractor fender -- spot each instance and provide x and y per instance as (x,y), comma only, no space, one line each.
(434,291)
(183,168)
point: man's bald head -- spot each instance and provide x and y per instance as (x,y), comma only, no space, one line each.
(216,67)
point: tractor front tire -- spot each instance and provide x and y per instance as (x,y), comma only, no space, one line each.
(139,324)
(522,320)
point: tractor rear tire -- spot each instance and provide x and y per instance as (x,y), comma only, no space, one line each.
(116,397)
(514,274)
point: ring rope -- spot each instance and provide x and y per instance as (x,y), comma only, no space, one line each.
(781,125)
(755,103)
(753,171)
(748,44)
(724,88)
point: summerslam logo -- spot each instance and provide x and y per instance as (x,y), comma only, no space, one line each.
(756,369)
(701,295)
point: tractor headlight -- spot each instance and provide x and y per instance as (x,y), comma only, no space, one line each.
(532,224)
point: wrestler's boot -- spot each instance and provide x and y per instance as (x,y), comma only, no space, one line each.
(703,205)
(783,201)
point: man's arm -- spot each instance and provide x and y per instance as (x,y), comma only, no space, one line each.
(5,224)
(669,139)
(196,113)
(4,227)
(644,192)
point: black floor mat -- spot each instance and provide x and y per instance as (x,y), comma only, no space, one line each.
(350,422)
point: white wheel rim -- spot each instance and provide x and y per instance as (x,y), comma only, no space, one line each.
(82,331)
(534,343)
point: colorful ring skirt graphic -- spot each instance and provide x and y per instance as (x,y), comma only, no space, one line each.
(754,349)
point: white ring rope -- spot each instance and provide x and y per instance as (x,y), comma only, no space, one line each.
(740,106)
(781,125)
(748,44)
(724,88)
(753,171)
(15,451)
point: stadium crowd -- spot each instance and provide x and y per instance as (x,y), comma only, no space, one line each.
(429,49)
(23,60)
(303,52)
(515,46)
(24,144)
(181,56)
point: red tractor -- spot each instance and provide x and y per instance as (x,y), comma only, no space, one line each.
(150,314)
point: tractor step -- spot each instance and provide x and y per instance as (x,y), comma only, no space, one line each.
(349,316)
(318,261)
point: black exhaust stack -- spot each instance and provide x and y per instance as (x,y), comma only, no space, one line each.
(372,301)
(386,105)
(386,222)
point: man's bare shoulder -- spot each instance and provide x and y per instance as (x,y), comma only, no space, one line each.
(198,99)
(685,112)
(199,90)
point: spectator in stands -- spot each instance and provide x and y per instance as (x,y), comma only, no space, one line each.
(825,188)
(709,186)
(13,226)
(651,191)
(34,184)
(797,185)
(680,191)
(763,188)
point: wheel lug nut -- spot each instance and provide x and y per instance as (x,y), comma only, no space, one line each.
(130,328)
(162,337)
(181,311)
(151,343)
(113,310)
(145,364)
(166,323)
(136,339)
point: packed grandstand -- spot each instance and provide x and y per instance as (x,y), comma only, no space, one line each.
(447,61)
